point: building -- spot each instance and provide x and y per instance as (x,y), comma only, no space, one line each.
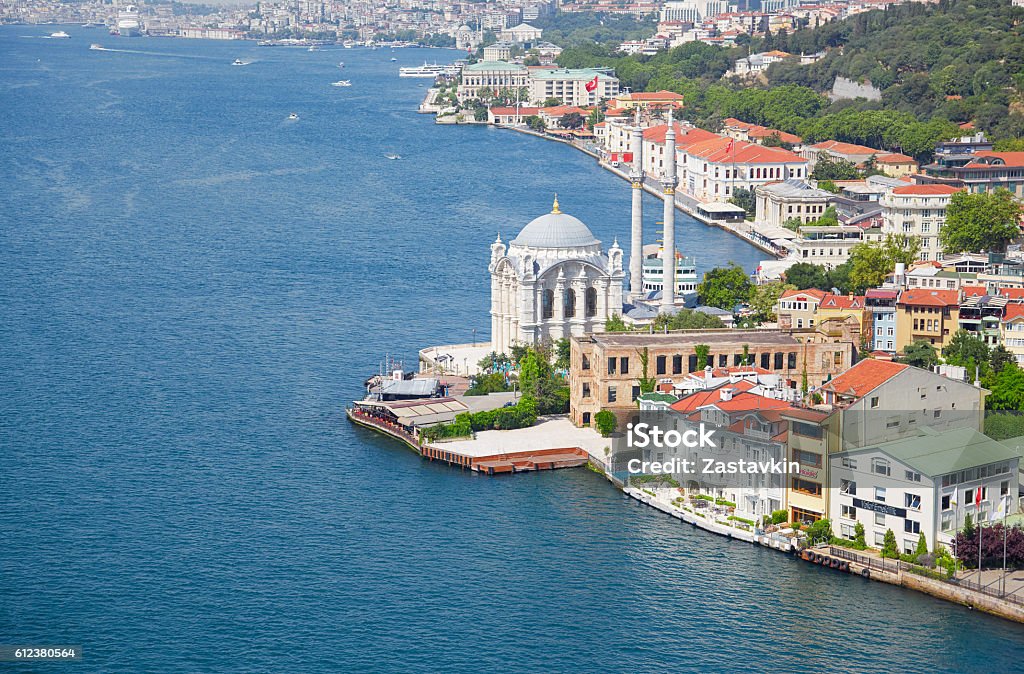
(979,171)
(647,100)
(712,170)
(755,133)
(510,114)
(757,63)
(606,367)
(925,484)
(499,51)
(981,314)
(797,308)
(654,155)
(570,85)
(493,75)
(918,210)
(845,315)
(793,199)
(927,315)
(826,245)
(552,281)
(881,302)
(855,154)
(524,33)
(896,165)
(1011,331)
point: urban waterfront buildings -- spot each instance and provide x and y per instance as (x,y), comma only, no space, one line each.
(918,210)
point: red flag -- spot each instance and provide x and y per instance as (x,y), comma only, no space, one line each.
(977,498)
(615,156)
(591,85)
(728,148)
(627,157)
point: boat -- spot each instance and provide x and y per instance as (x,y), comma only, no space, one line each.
(96,47)
(341,64)
(347,44)
(393,58)
(313,48)
(293,116)
(127,22)
(59,34)
(431,70)
(342,83)
(392,155)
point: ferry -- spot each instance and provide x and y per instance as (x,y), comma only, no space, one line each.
(59,34)
(654,272)
(127,22)
(342,83)
(432,70)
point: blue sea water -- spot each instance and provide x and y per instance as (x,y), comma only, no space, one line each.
(192,289)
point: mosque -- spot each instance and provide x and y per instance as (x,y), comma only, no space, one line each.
(554,279)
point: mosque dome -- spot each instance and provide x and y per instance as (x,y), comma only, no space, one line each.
(556,230)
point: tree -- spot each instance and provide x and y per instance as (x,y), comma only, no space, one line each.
(1000,358)
(595,117)
(980,222)
(647,382)
(858,536)
(535,123)
(563,351)
(606,422)
(765,298)
(701,352)
(969,529)
(725,287)
(889,547)
(967,350)
(919,354)
(829,186)
(744,198)
(804,275)
(819,531)
(571,120)
(551,102)
(1007,388)
(922,546)
(615,324)
(686,319)
(871,262)
(827,167)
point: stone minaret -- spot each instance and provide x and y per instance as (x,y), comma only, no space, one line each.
(668,186)
(636,245)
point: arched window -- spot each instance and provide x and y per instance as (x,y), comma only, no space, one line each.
(569,303)
(548,304)
(591,308)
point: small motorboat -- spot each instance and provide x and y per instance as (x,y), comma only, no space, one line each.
(342,83)
(239,62)
(341,64)
(393,58)
(96,47)
(59,34)
(313,48)
(392,155)
(293,116)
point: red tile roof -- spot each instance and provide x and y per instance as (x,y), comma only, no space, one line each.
(1009,158)
(845,148)
(926,190)
(811,292)
(524,111)
(662,95)
(709,396)
(685,136)
(894,158)
(864,377)
(974,291)
(1012,293)
(1013,311)
(831,301)
(742,152)
(930,298)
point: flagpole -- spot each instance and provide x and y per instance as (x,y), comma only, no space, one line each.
(977,512)
(1006,511)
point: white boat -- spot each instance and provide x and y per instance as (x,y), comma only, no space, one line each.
(313,48)
(341,64)
(128,22)
(96,47)
(431,70)
(342,83)
(59,33)
(239,62)
(393,58)
(293,116)
(392,155)
(347,44)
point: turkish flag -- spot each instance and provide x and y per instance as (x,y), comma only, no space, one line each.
(728,148)
(591,85)
(977,498)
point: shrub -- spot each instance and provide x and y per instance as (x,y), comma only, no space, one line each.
(819,531)
(734,518)
(889,547)
(779,516)
(606,422)
(723,502)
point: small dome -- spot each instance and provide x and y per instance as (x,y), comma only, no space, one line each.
(556,230)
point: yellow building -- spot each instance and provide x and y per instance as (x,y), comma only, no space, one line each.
(927,315)
(797,308)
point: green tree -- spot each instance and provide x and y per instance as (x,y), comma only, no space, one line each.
(827,167)
(647,382)
(615,324)
(765,298)
(563,351)
(1007,388)
(744,198)
(967,350)
(702,351)
(871,262)
(804,275)
(829,186)
(922,546)
(919,354)
(551,102)
(535,123)
(571,120)
(968,530)
(999,358)
(686,319)
(606,422)
(858,536)
(889,547)
(980,222)
(819,531)
(725,287)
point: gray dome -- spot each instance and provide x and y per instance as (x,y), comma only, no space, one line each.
(556,230)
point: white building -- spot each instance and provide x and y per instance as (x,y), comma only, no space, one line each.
(757,63)
(553,280)
(494,75)
(790,199)
(828,246)
(918,210)
(499,51)
(713,170)
(523,33)
(570,86)
(923,484)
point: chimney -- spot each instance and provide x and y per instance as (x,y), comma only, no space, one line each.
(707,376)
(725,394)
(900,277)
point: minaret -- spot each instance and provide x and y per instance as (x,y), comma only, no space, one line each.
(668,186)
(636,245)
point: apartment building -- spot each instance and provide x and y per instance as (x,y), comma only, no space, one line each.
(918,210)
(927,315)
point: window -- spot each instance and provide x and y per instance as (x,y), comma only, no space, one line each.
(611,394)
(849,463)
(1004,487)
(548,304)
(912,476)
(635,393)
(806,487)
(677,364)
(807,430)
(849,512)
(591,299)
(791,360)
(766,359)
(909,546)
(624,365)
(586,390)
(807,458)
(660,364)
(881,467)
(569,303)
(912,501)
(612,362)
(874,402)
(946,501)
(911,527)
(846,531)
(879,519)
(880,494)
(586,418)
(777,361)
(847,487)
(585,365)
(879,539)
